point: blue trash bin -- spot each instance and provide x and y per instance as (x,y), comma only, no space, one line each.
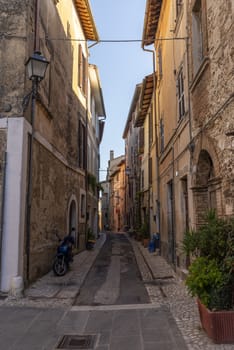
(151,247)
(156,238)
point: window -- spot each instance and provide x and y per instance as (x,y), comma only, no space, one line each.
(150,127)
(150,171)
(82,206)
(141,140)
(142,179)
(185,211)
(180,91)
(81,146)
(161,135)
(82,70)
(160,62)
(197,35)
(178,7)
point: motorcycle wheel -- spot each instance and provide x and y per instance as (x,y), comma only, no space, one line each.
(60,266)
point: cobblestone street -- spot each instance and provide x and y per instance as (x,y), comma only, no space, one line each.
(164,288)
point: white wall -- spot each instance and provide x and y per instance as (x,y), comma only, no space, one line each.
(15,198)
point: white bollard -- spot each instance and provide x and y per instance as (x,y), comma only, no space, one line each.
(17,286)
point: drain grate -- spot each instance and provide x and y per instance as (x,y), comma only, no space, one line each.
(77,342)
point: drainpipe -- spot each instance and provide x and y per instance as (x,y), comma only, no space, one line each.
(36,27)
(191,143)
(173,209)
(3,206)
(30,171)
(30,164)
(156,139)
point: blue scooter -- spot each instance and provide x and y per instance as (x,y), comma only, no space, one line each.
(63,257)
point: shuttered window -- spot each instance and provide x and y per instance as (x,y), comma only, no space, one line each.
(82,71)
(180,88)
(81,146)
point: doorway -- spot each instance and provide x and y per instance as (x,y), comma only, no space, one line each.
(170,222)
(72,221)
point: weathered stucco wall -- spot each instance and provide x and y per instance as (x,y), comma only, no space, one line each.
(50,197)
(12,56)
(60,106)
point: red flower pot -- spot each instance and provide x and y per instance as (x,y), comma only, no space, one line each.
(219,325)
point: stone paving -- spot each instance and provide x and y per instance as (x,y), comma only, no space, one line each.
(53,291)
(163,285)
(165,288)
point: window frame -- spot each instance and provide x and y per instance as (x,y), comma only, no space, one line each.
(181,93)
(82,149)
(82,70)
(161,126)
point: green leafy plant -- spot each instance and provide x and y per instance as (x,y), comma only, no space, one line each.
(144,230)
(205,277)
(90,235)
(190,242)
(211,274)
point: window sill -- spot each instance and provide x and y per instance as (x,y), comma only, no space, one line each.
(198,75)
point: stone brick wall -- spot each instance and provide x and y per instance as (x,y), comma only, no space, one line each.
(56,176)
(12,56)
(213,103)
(50,197)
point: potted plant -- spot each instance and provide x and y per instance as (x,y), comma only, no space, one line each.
(211,275)
(144,233)
(90,240)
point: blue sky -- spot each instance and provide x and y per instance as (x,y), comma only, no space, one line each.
(121,66)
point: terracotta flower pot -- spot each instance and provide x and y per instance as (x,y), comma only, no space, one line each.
(145,242)
(219,325)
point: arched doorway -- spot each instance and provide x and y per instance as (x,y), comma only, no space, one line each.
(72,219)
(206,186)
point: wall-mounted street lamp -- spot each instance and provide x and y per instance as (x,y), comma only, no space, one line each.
(127,171)
(36,67)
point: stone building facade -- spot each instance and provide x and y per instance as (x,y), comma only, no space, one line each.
(116,179)
(212,106)
(52,198)
(172,196)
(104,219)
(133,153)
(192,149)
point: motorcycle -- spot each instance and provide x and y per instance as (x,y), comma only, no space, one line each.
(63,257)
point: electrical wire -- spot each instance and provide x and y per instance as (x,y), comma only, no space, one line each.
(7,36)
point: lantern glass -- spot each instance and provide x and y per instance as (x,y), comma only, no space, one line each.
(36,66)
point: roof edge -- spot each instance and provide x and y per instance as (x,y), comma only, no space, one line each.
(87,20)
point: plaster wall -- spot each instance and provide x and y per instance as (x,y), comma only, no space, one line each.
(15,189)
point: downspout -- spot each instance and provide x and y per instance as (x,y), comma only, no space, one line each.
(30,161)
(86,144)
(2,207)
(156,139)
(173,209)
(30,171)
(191,143)
(86,172)
(36,27)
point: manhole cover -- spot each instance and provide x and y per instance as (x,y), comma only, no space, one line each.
(77,342)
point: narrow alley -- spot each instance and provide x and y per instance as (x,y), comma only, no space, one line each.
(88,308)
(114,277)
